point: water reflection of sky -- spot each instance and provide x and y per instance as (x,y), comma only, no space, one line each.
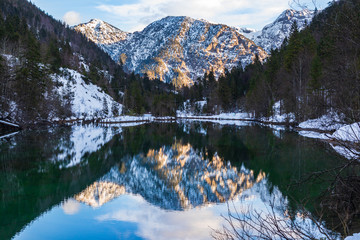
(131,217)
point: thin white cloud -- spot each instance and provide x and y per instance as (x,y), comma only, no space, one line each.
(71,206)
(72,18)
(230,12)
(155,223)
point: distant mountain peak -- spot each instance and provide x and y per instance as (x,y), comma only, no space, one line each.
(101,32)
(291,14)
(273,34)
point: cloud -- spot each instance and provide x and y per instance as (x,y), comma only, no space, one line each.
(230,12)
(156,223)
(71,206)
(72,18)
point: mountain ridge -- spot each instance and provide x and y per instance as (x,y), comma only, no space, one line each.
(272,35)
(181,49)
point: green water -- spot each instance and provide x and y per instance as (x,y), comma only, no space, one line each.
(47,178)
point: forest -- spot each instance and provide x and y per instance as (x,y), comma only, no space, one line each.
(316,71)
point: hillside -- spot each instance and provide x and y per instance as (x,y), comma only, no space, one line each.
(46,69)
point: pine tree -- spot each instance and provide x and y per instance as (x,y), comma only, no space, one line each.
(31,82)
(105,107)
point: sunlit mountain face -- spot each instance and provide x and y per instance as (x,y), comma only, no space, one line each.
(175,50)
(154,181)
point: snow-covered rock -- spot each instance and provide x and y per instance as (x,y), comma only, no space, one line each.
(179,49)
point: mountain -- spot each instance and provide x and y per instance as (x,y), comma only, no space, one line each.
(273,34)
(101,32)
(177,49)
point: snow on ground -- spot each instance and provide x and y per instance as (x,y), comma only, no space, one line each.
(344,134)
(278,116)
(356,236)
(238,123)
(350,133)
(141,118)
(11,60)
(221,116)
(347,134)
(328,122)
(89,100)
(124,118)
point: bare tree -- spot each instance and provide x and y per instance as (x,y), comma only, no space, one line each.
(254,224)
(300,4)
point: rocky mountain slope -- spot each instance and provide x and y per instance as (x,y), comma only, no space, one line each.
(273,34)
(176,49)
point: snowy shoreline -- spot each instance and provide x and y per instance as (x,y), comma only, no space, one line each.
(328,128)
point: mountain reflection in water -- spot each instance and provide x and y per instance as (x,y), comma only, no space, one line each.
(174,177)
(155,181)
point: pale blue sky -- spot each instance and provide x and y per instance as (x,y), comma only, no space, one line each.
(135,15)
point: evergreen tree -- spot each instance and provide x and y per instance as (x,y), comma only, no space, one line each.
(105,107)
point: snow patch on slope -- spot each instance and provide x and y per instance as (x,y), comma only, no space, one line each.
(88,99)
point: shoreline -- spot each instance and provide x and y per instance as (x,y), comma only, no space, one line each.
(149,118)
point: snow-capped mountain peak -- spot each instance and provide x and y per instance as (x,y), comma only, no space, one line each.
(101,32)
(273,34)
(290,14)
(180,49)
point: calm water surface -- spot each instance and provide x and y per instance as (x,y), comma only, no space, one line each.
(152,181)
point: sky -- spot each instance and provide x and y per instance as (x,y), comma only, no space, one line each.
(134,15)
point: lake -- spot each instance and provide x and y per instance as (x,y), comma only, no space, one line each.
(153,181)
